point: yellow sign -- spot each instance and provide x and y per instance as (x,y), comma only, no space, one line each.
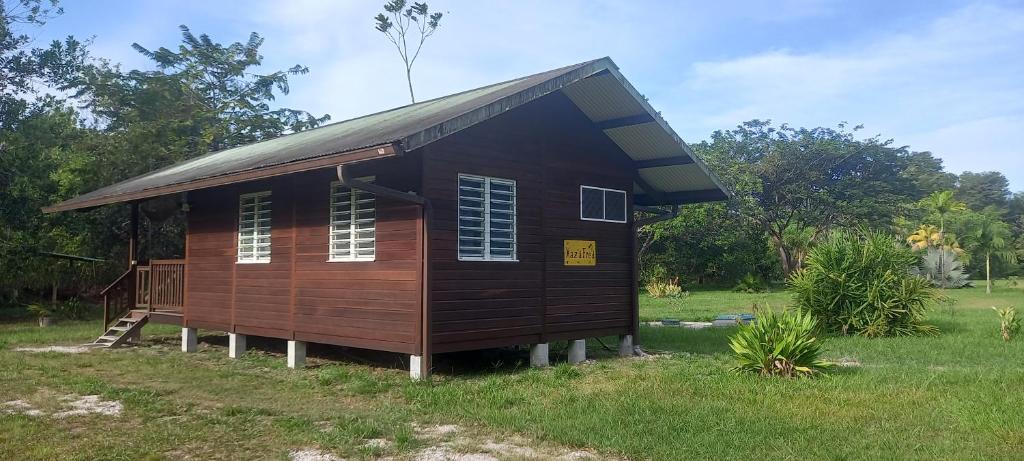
(580,252)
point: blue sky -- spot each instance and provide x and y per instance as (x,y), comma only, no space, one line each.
(935,75)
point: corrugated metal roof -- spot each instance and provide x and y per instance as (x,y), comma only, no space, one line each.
(595,86)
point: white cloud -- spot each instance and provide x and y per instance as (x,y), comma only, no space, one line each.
(953,87)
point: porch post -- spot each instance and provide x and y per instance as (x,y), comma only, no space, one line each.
(133,236)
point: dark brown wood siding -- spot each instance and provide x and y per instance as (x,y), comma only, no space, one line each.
(550,149)
(299,294)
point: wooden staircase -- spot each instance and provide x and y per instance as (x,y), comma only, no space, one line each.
(127,329)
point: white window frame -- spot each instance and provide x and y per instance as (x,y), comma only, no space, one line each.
(356,197)
(487,256)
(604,204)
(252,256)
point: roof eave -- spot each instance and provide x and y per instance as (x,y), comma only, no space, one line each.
(324,161)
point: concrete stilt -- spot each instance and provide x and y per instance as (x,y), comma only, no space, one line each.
(625,345)
(189,339)
(577,351)
(236,345)
(539,356)
(296,354)
(417,368)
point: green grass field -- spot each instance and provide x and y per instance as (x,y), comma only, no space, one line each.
(958,395)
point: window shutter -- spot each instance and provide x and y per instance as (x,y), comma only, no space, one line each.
(254,227)
(487,218)
(352,225)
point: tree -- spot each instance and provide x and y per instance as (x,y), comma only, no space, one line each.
(37,135)
(399,23)
(819,178)
(983,190)
(941,204)
(986,235)
(927,174)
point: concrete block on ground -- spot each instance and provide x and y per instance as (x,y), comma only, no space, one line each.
(539,356)
(236,345)
(418,368)
(578,351)
(625,345)
(296,354)
(189,339)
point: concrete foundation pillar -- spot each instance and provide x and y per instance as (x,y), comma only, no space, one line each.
(626,346)
(189,339)
(296,354)
(577,351)
(236,345)
(417,368)
(539,356)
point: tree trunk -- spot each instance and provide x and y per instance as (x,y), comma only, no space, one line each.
(787,266)
(988,273)
(408,78)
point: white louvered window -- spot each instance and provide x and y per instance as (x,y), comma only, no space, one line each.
(353,224)
(487,219)
(254,228)
(600,204)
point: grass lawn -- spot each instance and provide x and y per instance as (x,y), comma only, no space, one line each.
(958,395)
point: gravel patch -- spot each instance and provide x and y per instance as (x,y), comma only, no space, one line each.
(61,349)
(89,405)
(310,454)
(21,407)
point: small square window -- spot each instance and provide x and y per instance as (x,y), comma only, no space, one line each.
(601,204)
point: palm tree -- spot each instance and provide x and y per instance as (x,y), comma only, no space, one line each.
(942,204)
(988,235)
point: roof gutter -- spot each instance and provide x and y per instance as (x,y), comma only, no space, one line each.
(426,213)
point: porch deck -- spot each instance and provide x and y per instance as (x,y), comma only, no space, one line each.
(157,289)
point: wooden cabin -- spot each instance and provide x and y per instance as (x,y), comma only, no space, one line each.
(504,215)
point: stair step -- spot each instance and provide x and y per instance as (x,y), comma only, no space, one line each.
(109,338)
(119,328)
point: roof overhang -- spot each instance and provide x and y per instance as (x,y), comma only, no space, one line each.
(342,158)
(667,172)
(666,169)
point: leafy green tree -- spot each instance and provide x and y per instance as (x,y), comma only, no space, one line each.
(820,178)
(37,134)
(983,190)
(401,24)
(927,174)
(985,235)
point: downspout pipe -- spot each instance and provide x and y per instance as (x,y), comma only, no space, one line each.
(427,212)
(637,224)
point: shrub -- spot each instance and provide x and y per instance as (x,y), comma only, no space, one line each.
(861,283)
(665,289)
(1009,323)
(40,310)
(72,309)
(750,283)
(943,268)
(778,345)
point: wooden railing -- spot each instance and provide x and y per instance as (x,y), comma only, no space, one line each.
(158,286)
(118,297)
(166,285)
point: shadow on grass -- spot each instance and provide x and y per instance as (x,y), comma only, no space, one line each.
(468,363)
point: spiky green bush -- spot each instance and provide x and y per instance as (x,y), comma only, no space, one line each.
(861,283)
(778,345)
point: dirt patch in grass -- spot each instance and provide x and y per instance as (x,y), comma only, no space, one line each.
(89,405)
(68,406)
(21,407)
(60,349)
(312,455)
(449,442)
